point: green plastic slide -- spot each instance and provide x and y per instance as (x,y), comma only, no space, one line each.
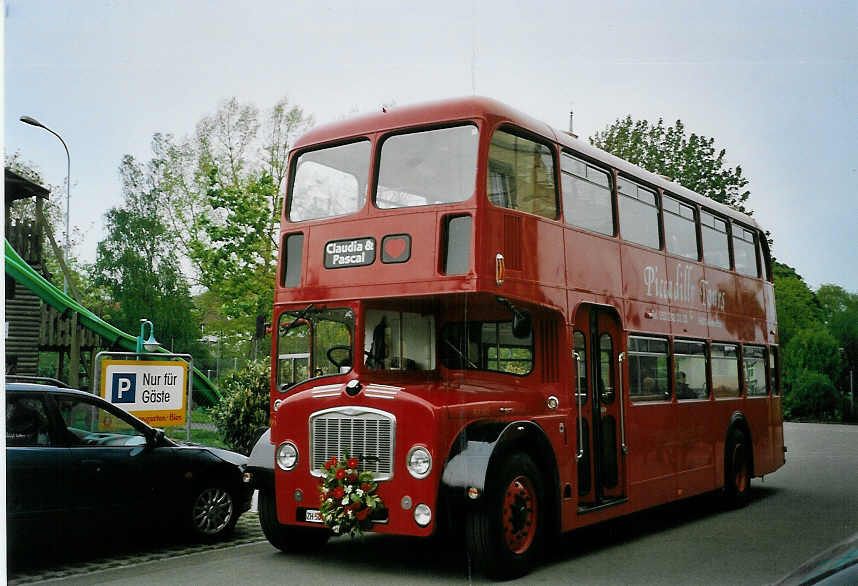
(24,274)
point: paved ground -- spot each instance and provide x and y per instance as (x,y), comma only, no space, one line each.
(82,565)
(807,506)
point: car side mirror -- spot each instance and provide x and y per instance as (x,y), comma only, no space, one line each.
(154,439)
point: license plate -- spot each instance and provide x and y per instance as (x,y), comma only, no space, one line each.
(312,516)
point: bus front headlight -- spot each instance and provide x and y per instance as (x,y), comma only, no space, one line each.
(287,456)
(419,462)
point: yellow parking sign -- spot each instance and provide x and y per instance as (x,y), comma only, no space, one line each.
(154,391)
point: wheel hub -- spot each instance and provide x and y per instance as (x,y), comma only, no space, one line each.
(519,515)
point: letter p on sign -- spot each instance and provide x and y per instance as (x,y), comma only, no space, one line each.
(124,387)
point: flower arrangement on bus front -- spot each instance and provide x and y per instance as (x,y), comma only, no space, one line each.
(348,497)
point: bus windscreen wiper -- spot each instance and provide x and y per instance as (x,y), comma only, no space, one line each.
(299,317)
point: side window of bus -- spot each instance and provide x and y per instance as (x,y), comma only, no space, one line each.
(689,364)
(680,229)
(754,363)
(773,371)
(638,213)
(486,346)
(581,349)
(521,175)
(716,249)
(586,196)
(399,340)
(745,251)
(648,375)
(725,371)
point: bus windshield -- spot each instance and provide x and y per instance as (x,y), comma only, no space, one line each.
(330,182)
(427,168)
(313,342)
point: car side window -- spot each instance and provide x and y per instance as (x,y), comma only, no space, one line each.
(27,423)
(92,425)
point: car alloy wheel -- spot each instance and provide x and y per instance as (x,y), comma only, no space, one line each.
(213,511)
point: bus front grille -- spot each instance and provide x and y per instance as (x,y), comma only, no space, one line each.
(355,433)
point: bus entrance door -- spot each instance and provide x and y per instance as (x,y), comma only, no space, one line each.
(600,455)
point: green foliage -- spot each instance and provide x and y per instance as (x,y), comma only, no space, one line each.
(690,160)
(138,268)
(812,395)
(797,306)
(811,349)
(244,405)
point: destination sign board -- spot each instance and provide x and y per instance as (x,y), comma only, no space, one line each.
(354,252)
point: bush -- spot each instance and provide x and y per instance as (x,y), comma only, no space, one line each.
(811,395)
(244,406)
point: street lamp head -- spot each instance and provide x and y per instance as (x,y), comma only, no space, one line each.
(30,120)
(150,343)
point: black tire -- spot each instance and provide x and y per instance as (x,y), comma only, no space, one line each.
(504,533)
(213,513)
(287,538)
(737,469)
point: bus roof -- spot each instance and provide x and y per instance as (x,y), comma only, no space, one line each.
(477,107)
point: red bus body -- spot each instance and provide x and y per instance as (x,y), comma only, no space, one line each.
(599,455)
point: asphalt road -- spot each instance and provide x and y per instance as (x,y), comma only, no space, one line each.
(806,506)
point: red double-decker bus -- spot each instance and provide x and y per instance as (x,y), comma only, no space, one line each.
(518,334)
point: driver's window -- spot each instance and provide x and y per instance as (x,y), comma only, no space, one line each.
(313,342)
(92,425)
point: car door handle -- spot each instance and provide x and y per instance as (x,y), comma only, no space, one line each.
(92,464)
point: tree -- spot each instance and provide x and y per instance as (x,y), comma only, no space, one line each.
(139,269)
(690,160)
(797,306)
(242,412)
(221,196)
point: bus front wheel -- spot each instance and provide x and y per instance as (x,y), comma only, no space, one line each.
(504,532)
(287,538)
(737,469)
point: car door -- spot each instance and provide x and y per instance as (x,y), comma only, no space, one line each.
(114,473)
(34,498)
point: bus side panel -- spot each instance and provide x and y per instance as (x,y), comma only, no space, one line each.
(696,465)
(593,263)
(757,413)
(653,453)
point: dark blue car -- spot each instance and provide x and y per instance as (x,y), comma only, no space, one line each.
(75,464)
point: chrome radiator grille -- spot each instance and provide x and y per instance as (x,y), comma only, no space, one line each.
(364,434)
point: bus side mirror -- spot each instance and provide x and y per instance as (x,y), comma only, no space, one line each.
(522,324)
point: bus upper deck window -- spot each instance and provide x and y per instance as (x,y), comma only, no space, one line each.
(330,182)
(427,168)
(521,175)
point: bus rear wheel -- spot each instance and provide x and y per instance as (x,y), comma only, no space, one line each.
(737,469)
(504,533)
(287,538)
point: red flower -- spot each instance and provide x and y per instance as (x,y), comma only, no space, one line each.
(355,506)
(365,487)
(339,492)
(353,477)
(352,463)
(362,514)
(331,463)
(341,473)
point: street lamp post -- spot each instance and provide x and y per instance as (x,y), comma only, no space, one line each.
(33,122)
(150,343)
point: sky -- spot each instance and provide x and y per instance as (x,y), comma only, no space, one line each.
(775,83)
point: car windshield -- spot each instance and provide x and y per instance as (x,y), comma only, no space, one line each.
(313,342)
